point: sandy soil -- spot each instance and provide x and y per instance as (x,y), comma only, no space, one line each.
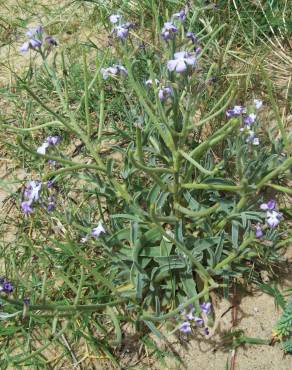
(257,316)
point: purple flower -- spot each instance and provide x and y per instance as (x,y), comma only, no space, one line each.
(206,331)
(7,287)
(250,135)
(251,138)
(268,206)
(122,70)
(258,103)
(35,39)
(110,71)
(181,15)
(198,50)
(26,208)
(168,31)
(185,327)
(192,37)
(35,32)
(150,82)
(259,231)
(98,230)
(206,307)
(26,301)
(113,71)
(235,111)
(250,119)
(53,140)
(43,148)
(50,184)
(164,93)
(32,190)
(199,321)
(114,18)
(51,206)
(181,62)
(273,218)
(121,32)
(51,41)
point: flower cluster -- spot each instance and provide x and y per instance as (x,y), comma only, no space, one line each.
(169,29)
(164,92)
(50,141)
(248,120)
(181,62)
(113,71)
(37,38)
(273,217)
(121,30)
(31,194)
(5,286)
(186,326)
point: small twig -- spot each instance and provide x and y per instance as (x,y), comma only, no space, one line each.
(67,345)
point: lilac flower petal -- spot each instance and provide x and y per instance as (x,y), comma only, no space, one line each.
(121,32)
(181,66)
(180,55)
(264,206)
(271,204)
(26,208)
(34,43)
(258,103)
(259,232)
(206,331)
(190,61)
(185,327)
(24,47)
(51,206)
(181,15)
(42,149)
(150,82)
(171,65)
(122,69)
(98,230)
(53,140)
(199,321)
(168,31)
(114,18)
(273,218)
(51,41)
(206,307)
(7,287)
(250,119)
(192,37)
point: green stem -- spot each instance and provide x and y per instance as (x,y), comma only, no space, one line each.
(147,317)
(72,169)
(280,188)
(86,94)
(201,213)
(287,164)
(234,254)
(195,163)
(63,308)
(222,187)
(39,127)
